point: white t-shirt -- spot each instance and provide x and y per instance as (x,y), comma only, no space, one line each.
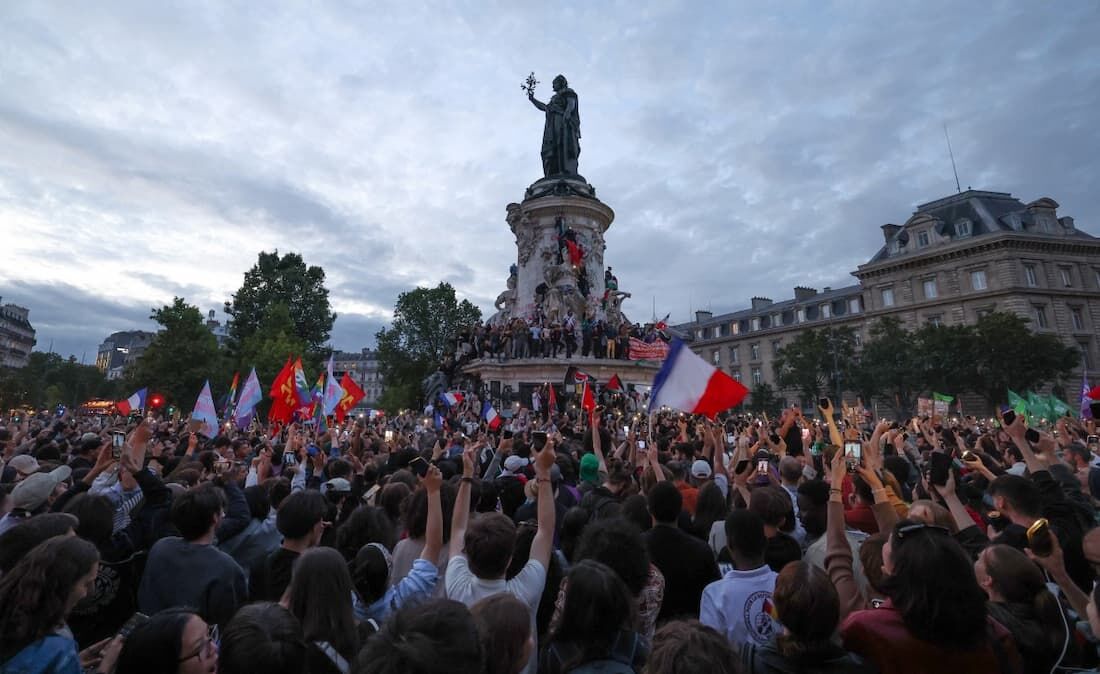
(739,606)
(527,586)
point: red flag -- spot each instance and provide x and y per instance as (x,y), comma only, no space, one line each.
(588,401)
(352,395)
(283,398)
(614,384)
(552,401)
(576,253)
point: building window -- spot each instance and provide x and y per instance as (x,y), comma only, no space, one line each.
(735,328)
(887,297)
(777,344)
(757,376)
(929,286)
(853,305)
(736,375)
(698,334)
(1031,278)
(935,321)
(962,228)
(716,357)
(754,351)
(977,280)
(1096,272)
(923,239)
(826,311)
(1040,316)
(756,324)
(801,313)
(1067,276)
(1077,317)
(734,355)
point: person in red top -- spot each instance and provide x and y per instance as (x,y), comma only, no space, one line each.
(936,618)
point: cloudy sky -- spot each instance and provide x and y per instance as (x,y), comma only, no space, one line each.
(149,150)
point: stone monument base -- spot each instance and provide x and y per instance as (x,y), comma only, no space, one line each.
(514,380)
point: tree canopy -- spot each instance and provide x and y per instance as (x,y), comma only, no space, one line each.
(181,357)
(812,362)
(289,282)
(425,323)
(49,380)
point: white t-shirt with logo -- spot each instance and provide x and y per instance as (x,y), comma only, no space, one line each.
(739,606)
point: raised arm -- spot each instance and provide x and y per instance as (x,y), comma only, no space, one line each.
(433,532)
(830,423)
(838,553)
(462,503)
(536,102)
(543,544)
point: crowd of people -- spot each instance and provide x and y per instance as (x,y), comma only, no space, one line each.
(582,336)
(565,542)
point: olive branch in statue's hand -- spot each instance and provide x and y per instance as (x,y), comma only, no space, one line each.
(529,85)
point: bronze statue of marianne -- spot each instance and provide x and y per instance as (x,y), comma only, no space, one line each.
(561,135)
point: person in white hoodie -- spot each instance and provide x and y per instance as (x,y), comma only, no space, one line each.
(739,605)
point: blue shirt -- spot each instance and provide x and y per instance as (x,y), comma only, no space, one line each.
(418,585)
(52,654)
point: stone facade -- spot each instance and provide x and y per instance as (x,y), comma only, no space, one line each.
(16,336)
(952,261)
(120,350)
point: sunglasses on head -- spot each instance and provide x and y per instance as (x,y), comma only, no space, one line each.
(909,529)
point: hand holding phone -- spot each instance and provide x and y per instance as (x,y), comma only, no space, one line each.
(853,454)
(1040,538)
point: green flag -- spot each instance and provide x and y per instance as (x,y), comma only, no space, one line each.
(1059,408)
(1037,407)
(940,397)
(1018,404)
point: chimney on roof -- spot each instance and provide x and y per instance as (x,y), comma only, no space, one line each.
(760,302)
(889,231)
(703,316)
(802,293)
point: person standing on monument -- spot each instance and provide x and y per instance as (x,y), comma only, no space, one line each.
(561,134)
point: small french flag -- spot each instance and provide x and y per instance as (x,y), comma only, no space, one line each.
(490,416)
(451,398)
(688,383)
(134,402)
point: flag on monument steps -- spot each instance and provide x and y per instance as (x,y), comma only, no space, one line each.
(614,384)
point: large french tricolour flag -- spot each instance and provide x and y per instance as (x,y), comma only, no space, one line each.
(490,416)
(451,398)
(688,383)
(133,403)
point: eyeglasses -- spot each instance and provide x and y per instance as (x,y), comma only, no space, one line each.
(903,531)
(207,648)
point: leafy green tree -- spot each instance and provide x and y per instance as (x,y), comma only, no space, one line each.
(288,281)
(49,379)
(425,322)
(763,398)
(1008,355)
(891,367)
(947,357)
(815,359)
(181,356)
(268,348)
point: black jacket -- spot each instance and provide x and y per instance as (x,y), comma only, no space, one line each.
(688,566)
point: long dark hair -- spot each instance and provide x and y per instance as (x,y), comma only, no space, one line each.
(320,597)
(34,595)
(597,607)
(934,587)
(154,647)
(710,507)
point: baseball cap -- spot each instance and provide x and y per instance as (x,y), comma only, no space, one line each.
(32,492)
(514,464)
(338,484)
(24,463)
(700,469)
(89,437)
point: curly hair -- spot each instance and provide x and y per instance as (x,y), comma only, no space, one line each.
(618,544)
(436,637)
(35,594)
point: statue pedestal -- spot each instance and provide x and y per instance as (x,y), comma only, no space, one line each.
(514,380)
(547,282)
